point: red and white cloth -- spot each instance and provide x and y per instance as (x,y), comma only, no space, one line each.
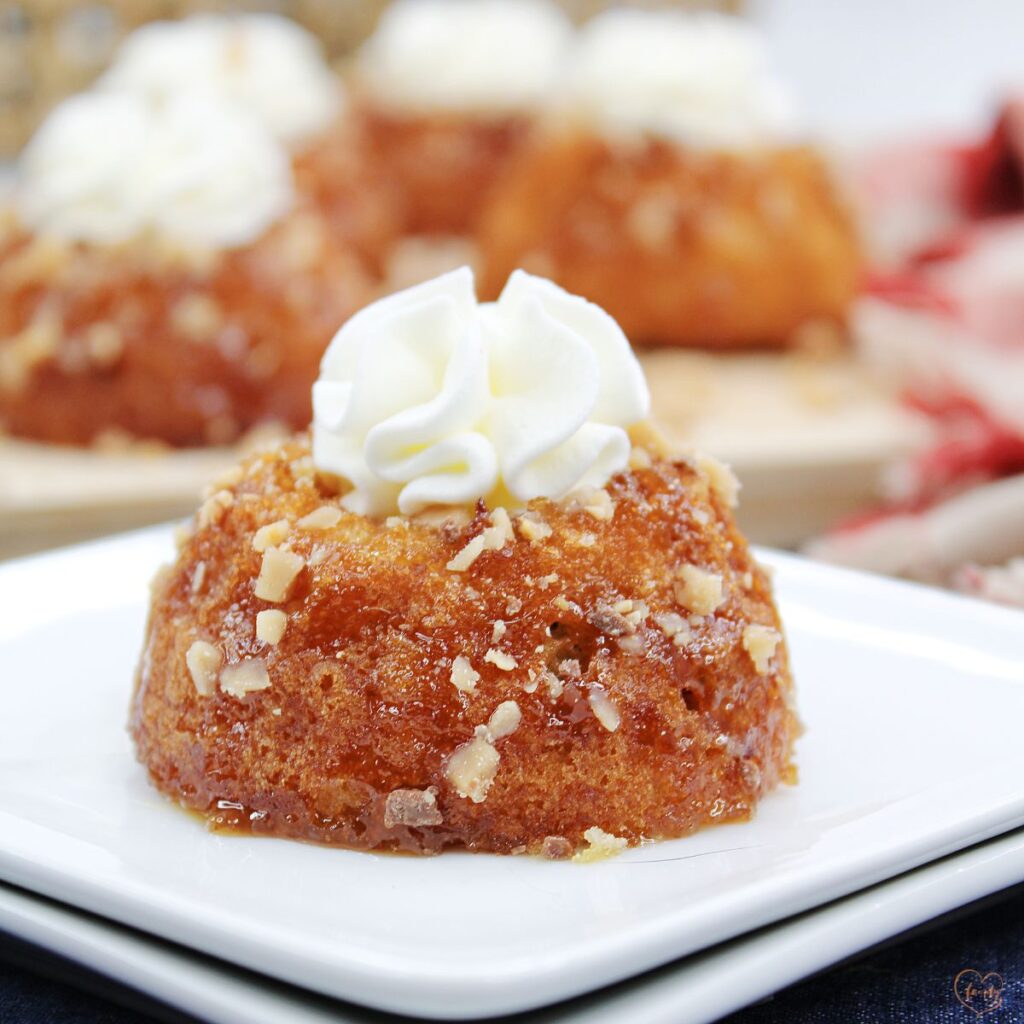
(942,315)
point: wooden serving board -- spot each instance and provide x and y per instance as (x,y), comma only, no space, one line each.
(808,437)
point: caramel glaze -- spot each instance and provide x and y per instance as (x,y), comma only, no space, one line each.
(184,348)
(681,247)
(443,166)
(362,675)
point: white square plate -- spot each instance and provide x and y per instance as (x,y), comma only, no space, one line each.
(913,701)
(696,990)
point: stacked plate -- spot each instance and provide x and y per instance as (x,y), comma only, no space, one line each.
(909,768)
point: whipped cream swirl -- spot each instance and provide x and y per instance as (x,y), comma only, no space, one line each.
(470,56)
(428,397)
(108,167)
(700,80)
(267,64)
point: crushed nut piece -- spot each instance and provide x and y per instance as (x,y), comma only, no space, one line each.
(600,846)
(230,477)
(640,458)
(604,710)
(493,538)
(500,532)
(212,510)
(646,435)
(556,848)
(463,676)
(499,659)
(198,577)
(322,518)
(277,574)
(599,504)
(721,479)
(271,535)
(505,720)
(671,624)
(632,645)
(760,643)
(533,528)
(104,343)
(553,683)
(698,591)
(610,622)
(472,767)
(499,630)
(570,668)
(468,555)
(203,661)
(270,625)
(245,677)
(414,808)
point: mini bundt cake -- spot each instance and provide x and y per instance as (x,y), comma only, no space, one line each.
(445,92)
(666,184)
(170,285)
(378,640)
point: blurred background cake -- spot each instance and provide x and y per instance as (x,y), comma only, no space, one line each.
(669,183)
(171,284)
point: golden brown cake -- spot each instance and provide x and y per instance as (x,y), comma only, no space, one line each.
(670,183)
(163,344)
(630,645)
(682,247)
(475,608)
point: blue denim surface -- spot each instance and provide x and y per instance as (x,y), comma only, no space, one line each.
(908,982)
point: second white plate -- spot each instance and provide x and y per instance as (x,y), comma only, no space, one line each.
(912,698)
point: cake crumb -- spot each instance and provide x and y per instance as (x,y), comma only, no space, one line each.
(760,643)
(203,661)
(270,625)
(697,590)
(277,574)
(504,720)
(271,535)
(600,846)
(604,710)
(499,659)
(413,808)
(472,767)
(246,677)
(322,518)
(463,676)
